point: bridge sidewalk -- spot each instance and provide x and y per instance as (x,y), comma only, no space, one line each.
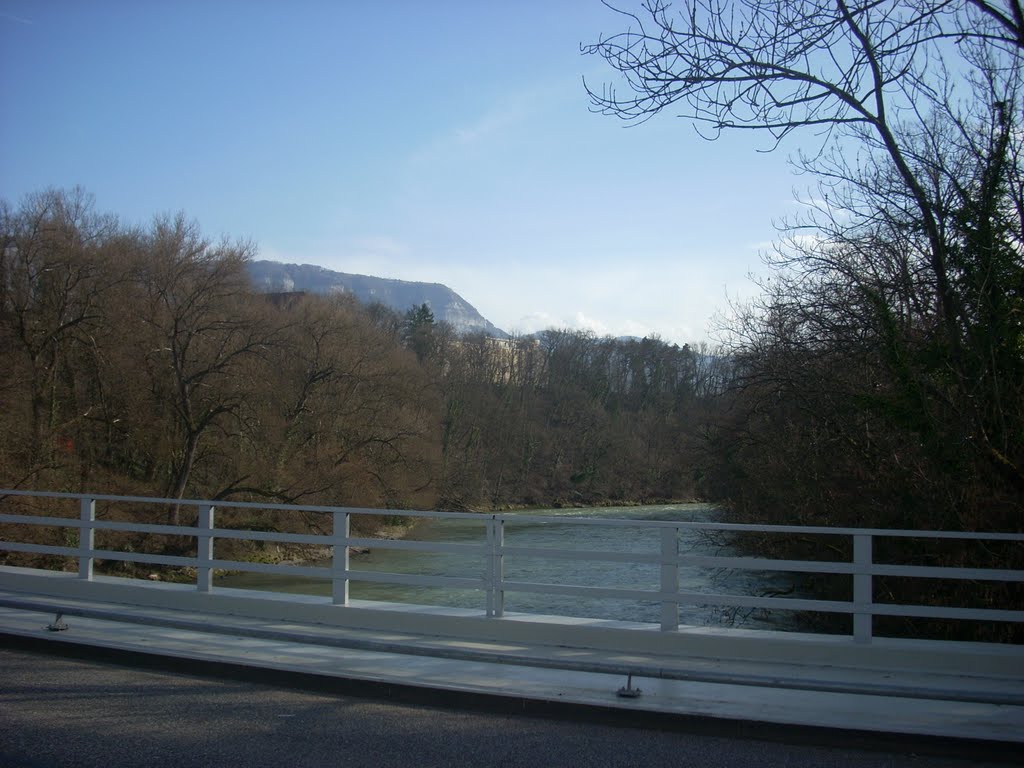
(750,696)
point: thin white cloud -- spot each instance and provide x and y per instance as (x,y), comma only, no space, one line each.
(17,19)
(454,141)
(533,322)
(821,206)
(387,245)
(491,123)
(582,322)
(507,115)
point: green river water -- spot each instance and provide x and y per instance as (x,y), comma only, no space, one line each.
(526,531)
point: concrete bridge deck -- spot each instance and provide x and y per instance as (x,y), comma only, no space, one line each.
(939,706)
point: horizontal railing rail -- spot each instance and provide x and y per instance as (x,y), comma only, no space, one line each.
(494,555)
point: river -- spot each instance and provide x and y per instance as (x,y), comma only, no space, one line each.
(526,531)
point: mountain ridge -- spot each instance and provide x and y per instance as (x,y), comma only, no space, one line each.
(399,295)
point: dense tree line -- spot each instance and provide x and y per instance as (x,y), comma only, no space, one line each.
(566,416)
(141,361)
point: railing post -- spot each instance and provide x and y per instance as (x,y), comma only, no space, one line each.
(670,579)
(496,567)
(340,557)
(204,548)
(86,538)
(862,588)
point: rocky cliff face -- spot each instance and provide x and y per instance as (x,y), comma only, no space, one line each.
(399,295)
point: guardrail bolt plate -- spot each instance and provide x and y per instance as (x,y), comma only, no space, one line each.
(628,691)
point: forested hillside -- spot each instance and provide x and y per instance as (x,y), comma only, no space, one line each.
(143,362)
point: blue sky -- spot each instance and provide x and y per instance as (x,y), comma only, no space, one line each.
(447,141)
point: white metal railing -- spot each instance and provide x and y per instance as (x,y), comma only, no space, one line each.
(494,552)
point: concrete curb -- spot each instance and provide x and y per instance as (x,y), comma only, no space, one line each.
(422,646)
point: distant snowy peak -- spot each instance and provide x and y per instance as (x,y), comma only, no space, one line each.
(399,295)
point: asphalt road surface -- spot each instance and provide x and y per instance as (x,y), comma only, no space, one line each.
(69,712)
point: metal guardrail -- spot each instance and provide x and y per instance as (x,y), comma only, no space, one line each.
(494,553)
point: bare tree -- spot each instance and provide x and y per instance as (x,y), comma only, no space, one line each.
(200,328)
(872,68)
(347,415)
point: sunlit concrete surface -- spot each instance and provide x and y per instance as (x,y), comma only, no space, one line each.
(921,703)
